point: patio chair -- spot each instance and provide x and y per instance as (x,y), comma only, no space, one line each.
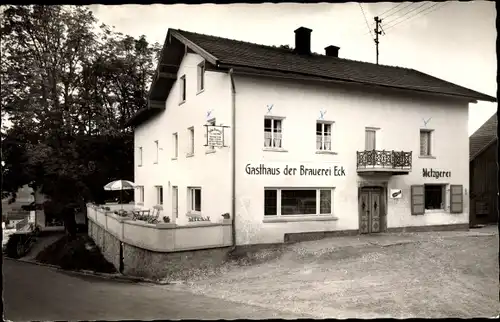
(156,212)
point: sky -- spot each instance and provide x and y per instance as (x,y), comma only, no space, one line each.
(453,40)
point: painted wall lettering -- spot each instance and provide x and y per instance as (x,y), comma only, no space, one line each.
(431,173)
(262,169)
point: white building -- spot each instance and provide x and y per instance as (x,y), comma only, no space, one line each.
(313,143)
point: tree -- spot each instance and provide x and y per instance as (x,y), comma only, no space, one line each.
(68,88)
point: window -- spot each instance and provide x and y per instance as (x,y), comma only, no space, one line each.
(323,136)
(157,152)
(191,141)
(425,143)
(370,139)
(140,193)
(194,199)
(159,195)
(201,77)
(285,202)
(183,88)
(434,196)
(139,164)
(175,201)
(175,144)
(211,147)
(272,133)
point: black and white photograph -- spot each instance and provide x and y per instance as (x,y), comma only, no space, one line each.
(249,161)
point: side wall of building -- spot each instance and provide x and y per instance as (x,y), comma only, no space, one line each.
(484,186)
(208,170)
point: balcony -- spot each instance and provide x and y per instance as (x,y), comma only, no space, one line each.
(383,162)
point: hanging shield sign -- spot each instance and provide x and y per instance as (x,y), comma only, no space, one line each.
(215,136)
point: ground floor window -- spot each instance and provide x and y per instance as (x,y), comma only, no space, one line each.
(159,195)
(140,193)
(434,196)
(298,201)
(194,199)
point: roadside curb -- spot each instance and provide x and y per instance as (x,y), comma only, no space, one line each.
(110,276)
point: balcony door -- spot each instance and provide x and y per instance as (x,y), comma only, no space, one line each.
(370,139)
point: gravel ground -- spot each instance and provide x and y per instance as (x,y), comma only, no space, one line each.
(428,275)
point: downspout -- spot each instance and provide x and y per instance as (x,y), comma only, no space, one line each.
(233,159)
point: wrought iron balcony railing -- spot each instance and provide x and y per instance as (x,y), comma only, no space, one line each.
(384,159)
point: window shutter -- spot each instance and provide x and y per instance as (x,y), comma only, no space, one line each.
(456,199)
(417,200)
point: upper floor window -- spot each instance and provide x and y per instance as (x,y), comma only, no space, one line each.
(191,141)
(157,152)
(370,139)
(323,136)
(183,88)
(201,77)
(139,161)
(273,132)
(175,144)
(425,143)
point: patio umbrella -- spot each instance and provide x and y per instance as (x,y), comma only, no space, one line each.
(120,185)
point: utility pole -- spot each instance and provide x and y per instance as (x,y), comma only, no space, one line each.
(378,31)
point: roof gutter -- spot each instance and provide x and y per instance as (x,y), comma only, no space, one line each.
(308,77)
(233,159)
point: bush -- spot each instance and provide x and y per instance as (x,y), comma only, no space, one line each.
(78,253)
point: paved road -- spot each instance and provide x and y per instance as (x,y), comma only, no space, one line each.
(33,292)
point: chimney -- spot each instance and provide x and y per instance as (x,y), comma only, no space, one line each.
(332,51)
(303,41)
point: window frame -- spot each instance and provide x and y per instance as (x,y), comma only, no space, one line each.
(175,205)
(323,123)
(157,151)
(191,141)
(141,194)
(159,195)
(443,187)
(183,94)
(273,120)
(192,201)
(201,77)
(430,150)
(140,157)
(374,130)
(318,202)
(175,138)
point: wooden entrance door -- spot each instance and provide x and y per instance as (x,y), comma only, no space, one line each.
(369,211)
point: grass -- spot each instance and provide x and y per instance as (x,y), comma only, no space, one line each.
(77,253)
(433,277)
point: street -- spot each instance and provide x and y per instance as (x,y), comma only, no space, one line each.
(33,292)
(407,275)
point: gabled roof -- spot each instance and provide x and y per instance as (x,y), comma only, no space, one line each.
(244,54)
(483,137)
(224,54)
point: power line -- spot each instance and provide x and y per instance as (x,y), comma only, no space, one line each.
(426,10)
(367,24)
(407,13)
(383,13)
(405,7)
